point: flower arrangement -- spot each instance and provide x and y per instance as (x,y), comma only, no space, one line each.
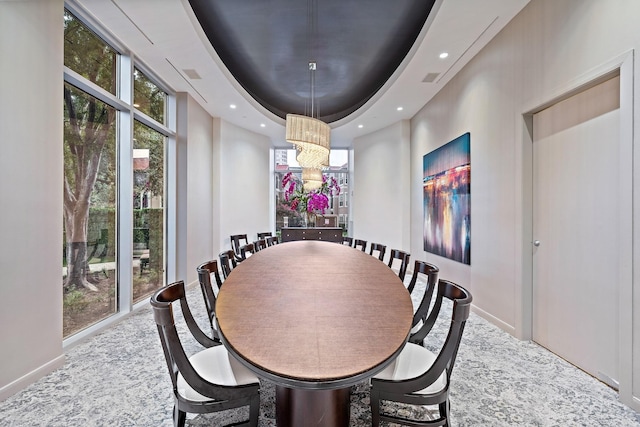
(311,202)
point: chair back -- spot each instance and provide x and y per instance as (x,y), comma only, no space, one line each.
(237,240)
(227,262)
(272,240)
(247,250)
(264,235)
(446,358)
(205,270)
(162,300)
(260,244)
(397,254)
(360,244)
(379,248)
(346,240)
(421,314)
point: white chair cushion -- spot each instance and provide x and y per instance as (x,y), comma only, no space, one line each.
(413,361)
(217,366)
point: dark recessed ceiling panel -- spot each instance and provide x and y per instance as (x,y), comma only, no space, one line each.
(268,44)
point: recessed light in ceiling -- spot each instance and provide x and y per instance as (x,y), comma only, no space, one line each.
(262,125)
(360,126)
(232,106)
(399,108)
(443,55)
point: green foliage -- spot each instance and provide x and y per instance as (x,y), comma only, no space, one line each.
(88,55)
(74,302)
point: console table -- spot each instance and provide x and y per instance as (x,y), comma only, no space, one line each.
(327,234)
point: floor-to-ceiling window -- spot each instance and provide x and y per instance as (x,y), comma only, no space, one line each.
(115,139)
(285,162)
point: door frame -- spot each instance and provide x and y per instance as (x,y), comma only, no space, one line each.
(622,65)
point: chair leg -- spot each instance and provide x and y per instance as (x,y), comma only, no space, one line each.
(254,411)
(375,408)
(179,417)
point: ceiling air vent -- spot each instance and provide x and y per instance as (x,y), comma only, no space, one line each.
(430,78)
(192,74)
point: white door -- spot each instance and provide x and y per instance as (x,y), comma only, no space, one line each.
(575,214)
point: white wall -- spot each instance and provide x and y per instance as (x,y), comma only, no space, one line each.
(30,191)
(244,183)
(550,46)
(380,200)
(198,224)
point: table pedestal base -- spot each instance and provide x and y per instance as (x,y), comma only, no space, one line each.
(300,407)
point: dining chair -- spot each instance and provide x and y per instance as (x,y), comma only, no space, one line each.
(403,258)
(209,293)
(428,274)
(272,240)
(247,250)
(361,244)
(264,235)
(379,248)
(420,377)
(260,244)
(236,242)
(347,241)
(227,262)
(211,380)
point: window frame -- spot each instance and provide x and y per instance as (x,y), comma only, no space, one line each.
(126,114)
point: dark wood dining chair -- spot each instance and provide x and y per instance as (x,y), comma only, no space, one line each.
(210,380)
(346,240)
(272,240)
(419,377)
(403,258)
(428,274)
(260,244)
(379,249)
(264,235)
(227,262)
(247,250)
(209,292)
(237,240)
(360,244)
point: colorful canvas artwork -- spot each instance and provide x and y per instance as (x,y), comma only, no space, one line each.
(446,187)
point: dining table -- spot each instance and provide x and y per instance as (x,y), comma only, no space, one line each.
(314,318)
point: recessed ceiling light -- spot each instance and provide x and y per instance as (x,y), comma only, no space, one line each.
(360,126)
(399,108)
(443,55)
(232,106)
(262,125)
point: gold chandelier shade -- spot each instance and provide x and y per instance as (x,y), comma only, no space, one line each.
(311,178)
(312,138)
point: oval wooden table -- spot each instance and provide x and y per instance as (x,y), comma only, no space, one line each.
(315,318)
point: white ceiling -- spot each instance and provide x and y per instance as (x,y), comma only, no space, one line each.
(166,37)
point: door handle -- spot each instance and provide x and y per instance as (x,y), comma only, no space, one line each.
(536,243)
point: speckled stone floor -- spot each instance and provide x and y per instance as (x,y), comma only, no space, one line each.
(119,378)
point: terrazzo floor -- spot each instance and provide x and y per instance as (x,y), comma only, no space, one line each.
(119,378)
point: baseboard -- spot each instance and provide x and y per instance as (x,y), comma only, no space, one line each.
(511,330)
(33,376)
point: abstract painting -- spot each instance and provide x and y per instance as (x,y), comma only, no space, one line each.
(446,186)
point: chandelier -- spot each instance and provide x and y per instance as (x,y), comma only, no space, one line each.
(312,138)
(310,135)
(311,179)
